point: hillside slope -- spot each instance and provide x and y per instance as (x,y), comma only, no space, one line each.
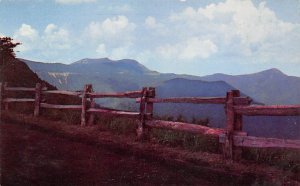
(17,73)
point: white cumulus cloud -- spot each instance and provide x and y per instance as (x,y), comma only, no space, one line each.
(120,53)
(56,38)
(101,50)
(158,28)
(28,36)
(192,48)
(52,41)
(151,22)
(240,28)
(114,30)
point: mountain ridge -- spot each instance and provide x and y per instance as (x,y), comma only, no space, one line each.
(270,86)
(106,78)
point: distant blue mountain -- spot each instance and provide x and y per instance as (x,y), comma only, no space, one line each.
(180,87)
(105,74)
(269,86)
(280,127)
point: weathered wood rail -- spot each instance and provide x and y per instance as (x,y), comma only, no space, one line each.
(271,110)
(231,137)
(186,127)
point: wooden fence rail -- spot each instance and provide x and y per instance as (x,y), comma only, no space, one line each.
(231,137)
(10,100)
(53,106)
(1,98)
(22,89)
(116,113)
(198,100)
(184,127)
(270,110)
(62,92)
(260,142)
(133,94)
(19,89)
(194,100)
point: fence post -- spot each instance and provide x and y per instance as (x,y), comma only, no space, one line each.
(83,104)
(238,127)
(37,103)
(141,124)
(93,105)
(149,108)
(6,103)
(228,141)
(1,99)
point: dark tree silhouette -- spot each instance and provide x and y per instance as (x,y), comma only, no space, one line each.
(7,53)
(15,72)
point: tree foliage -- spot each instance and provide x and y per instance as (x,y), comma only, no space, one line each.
(7,49)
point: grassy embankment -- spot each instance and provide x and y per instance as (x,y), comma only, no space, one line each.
(288,160)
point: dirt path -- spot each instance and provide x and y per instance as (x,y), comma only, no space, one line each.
(31,157)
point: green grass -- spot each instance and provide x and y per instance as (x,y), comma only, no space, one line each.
(285,159)
(117,125)
(185,140)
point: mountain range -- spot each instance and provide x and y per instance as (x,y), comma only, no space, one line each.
(106,75)
(268,87)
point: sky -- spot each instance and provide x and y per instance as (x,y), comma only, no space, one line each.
(180,36)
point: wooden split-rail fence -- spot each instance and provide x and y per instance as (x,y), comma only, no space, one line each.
(232,137)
